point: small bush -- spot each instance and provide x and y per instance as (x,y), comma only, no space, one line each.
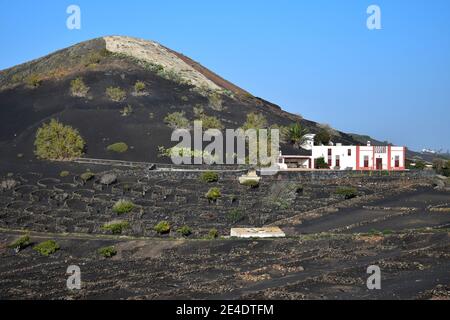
(213,234)
(209,177)
(47,248)
(63,174)
(139,87)
(251,183)
(116,227)
(107,252)
(123,206)
(33,80)
(126,111)
(55,141)
(162,227)
(78,88)
(87,176)
(185,231)
(347,192)
(20,243)
(213,194)
(210,122)
(215,101)
(116,94)
(323,137)
(255,121)
(420,165)
(235,215)
(119,147)
(177,120)
(320,163)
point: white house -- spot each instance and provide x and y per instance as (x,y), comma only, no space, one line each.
(340,157)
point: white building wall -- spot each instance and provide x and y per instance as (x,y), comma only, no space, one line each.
(400,152)
(346,161)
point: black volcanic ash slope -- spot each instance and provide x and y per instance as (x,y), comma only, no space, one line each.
(23,108)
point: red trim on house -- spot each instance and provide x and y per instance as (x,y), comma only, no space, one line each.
(357,158)
(389,158)
(373,158)
(404,158)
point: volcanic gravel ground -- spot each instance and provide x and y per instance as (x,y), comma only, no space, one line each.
(333,267)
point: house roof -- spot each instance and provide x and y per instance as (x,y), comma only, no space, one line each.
(289,150)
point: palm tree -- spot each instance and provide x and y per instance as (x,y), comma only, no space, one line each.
(296,134)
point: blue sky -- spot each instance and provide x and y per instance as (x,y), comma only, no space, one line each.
(316,58)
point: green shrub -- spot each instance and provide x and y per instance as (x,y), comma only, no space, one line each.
(116,227)
(126,111)
(177,120)
(420,165)
(33,80)
(235,215)
(442,166)
(55,141)
(63,174)
(213,234)
(184,99)
(320,163)
(119,147)
(209,176)
(47,248)
(20,243)
(213,194)
(215,101)
(322,137)
(250,183)
(162,227)
(139,87)
(210,122)
(123,206)
(87,176)
(94,58)
(347,192)
(78,88)
(185,231)
(255,121)
(116,94)
(107,252)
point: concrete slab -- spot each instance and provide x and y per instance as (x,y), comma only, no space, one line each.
(269,232)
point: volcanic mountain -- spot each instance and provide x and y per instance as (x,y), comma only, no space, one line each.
(37,91)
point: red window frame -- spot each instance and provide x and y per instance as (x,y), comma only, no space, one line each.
(397,161)
(338,161)
(366,161)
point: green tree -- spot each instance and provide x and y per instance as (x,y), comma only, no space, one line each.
(322,137)
(255,121)
(296,134)
(56,141)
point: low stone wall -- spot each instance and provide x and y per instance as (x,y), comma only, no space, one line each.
(332,174)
